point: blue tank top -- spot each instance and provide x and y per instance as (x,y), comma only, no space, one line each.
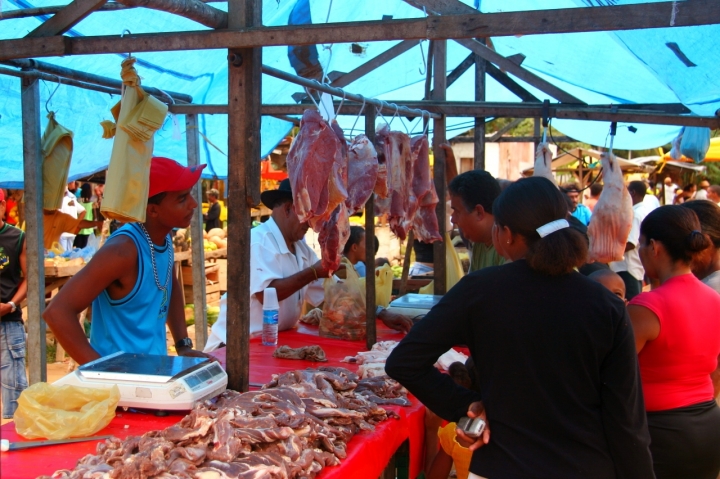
(135,323)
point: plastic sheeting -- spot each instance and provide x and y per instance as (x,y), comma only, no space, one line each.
(599,68)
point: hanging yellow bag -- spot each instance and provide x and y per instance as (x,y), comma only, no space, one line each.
(57,148)
(383,285)
(128,176)
(59,412)
(453,268)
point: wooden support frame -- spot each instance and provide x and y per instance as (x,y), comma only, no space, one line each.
(571,20)
(513,87)
(65,19)
(625,114)
(439,90)
(380,60)
(35,252)
(196,234)
(371,332)
(244,95)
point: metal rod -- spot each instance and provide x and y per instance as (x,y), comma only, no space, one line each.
(32,161)
(339,92)
(56,79)
(370,297)
(89,77)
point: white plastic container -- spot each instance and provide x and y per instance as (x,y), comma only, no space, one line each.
(270,317)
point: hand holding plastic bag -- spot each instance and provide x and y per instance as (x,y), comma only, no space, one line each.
(59,412)
(344,307)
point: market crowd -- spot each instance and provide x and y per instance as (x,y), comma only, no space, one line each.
(579,370)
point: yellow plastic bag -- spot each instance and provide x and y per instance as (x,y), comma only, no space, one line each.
(128,176)
(59,412)
(383,285)
(57,148)
(344,307)
(453,268)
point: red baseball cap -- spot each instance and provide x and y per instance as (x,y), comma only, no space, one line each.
(169,175)
(2,195)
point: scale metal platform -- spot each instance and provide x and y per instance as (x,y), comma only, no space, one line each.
(414,305)
(151,381)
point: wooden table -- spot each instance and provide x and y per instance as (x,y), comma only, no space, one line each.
(370,455)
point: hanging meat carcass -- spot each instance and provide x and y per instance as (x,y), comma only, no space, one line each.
(334,232)
(612,217)
(317,168)
(395,146)
(543,163)
(362,173)
(423,197)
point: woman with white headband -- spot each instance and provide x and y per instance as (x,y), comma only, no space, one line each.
(554,352)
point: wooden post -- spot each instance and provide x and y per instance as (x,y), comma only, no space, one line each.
(370,246)
(32,165)
(439,90)
(480,68)
(406,263)
(192,139)
(244,98)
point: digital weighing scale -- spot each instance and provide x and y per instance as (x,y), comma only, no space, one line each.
(414,305)
(151,381)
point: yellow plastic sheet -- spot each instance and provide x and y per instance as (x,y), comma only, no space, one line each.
(383,285)
(59,412)
(128,177)
(453,268)
(57,148)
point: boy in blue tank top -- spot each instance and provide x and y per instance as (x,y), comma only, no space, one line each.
(130,281)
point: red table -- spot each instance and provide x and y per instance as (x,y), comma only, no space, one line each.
(368,453)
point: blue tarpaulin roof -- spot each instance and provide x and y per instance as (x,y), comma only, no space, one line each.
(599,68)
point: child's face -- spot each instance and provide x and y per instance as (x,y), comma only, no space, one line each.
(615,284)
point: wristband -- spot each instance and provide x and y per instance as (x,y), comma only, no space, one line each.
(186,342)
(13,306)
(315,272)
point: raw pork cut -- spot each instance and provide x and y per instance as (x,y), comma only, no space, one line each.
(612,217)
(317,167)
(543,163)
(423,197)
(362,173)
(399,163)
(334,232)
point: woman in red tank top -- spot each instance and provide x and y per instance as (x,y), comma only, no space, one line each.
(677,336)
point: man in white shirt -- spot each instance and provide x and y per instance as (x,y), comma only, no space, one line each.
(702,192)
(668,190)
(713,194)
(280,259)
(72,207)
(630,268)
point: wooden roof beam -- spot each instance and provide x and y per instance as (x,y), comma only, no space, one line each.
(583,19)
(380,60)
(65,19)
(194,10)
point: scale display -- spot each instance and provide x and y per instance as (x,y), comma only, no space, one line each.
(151,381)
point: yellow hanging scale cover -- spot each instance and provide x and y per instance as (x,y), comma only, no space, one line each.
(57,148)
(138,115)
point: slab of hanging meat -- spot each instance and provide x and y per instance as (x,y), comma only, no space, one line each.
(543,163)
(317,168)
(362,173)
(381,181)
(612,216)
(399,162)
(334,231)
(423,197)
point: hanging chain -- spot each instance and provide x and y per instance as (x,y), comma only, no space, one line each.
(152,260)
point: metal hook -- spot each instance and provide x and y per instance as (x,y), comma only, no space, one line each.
(423,70)
(337,113)
(53,93)
(427,125)
(123,34)
(394,114)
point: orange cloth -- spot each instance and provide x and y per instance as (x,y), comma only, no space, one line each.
(461,455)
(56,223)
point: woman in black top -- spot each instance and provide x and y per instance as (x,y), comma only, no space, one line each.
(212,218)
(554,352)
